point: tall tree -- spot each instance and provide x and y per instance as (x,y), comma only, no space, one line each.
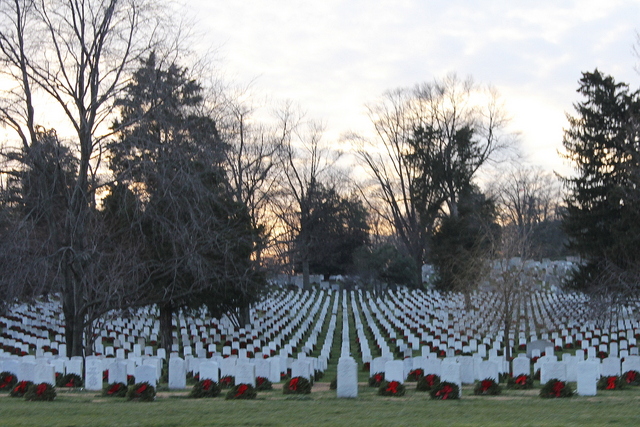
(602,218)
(333,228)
(461,244)
(435,138)
(307,163)
(196,240)
(74,55)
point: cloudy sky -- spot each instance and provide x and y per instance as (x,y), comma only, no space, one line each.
(334,56)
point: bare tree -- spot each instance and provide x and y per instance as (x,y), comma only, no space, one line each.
(74,55)
(430,143)
(254,159)
(307,164)
(526,197)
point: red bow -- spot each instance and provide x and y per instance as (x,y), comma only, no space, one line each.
(444,392)
(393,387)
(41,389)
(378,377)
(430,379)
(241,389)
(485,385)
(522,380)
(631,376)
(21,387)
(557,388)
(141,389)
(206,384)
(7,380)
(70,383)
(611,383)
(293,384)
(114,388)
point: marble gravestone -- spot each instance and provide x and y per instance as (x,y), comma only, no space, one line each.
(347,381)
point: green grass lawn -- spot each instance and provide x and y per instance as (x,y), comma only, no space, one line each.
(272,408)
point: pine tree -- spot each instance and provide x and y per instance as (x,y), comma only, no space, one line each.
(602,218)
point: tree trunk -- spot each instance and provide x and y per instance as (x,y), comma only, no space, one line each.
(166,327)
(244,315)
(305,274)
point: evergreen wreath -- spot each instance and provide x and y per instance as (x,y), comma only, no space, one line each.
(428,382)
(297,385)
(612,382)
(415,375)
(263,384)
(8,381)
(376,379)
(391,388)
(632,378)
(143,392)
(115,390)
(241,391)
(487,387)
(521,382)
(20,389)
(556,388)
(41,392)
(227,381)
(445,391)
(69,380)
(205,388)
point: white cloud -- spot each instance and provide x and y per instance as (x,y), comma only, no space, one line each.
(333,56)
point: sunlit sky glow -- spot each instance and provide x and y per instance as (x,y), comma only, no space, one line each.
(334,56)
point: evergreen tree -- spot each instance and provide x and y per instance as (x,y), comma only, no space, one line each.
(171,194)
(602,218)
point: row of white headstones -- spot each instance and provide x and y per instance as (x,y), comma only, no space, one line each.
(280,322)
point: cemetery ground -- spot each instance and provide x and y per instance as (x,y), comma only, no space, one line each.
(272,408)
(381,330)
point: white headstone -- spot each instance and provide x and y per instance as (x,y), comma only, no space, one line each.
(117,372)
(347,380)
(245,373)
(209,370)
(146,373)
(610,366)
(587,378)
(521,366)
(44,373)
(551,369)
(177,373)
(451,373)
(93,373)
(394,371)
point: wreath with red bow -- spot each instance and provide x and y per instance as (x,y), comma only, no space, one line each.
(487,387)
(391,388)
(297,385)
(376,379)
(556,388)
(205,388)
(42,392)
(428,382)
(115,390)
(612,382)
(8,381)
(69,380)
(445,391)
(143,392)
(241,391)
(520,382)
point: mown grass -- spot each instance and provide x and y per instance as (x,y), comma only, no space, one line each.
(322,408)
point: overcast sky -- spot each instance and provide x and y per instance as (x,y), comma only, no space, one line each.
(334,56)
